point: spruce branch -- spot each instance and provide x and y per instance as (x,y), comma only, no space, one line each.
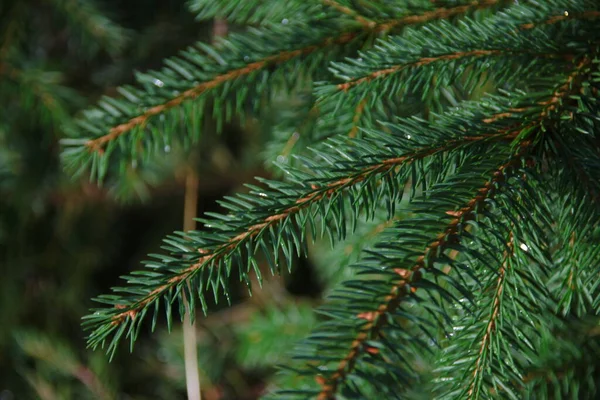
(247,234)
(419,63)
(142,122)
(412,58)
(498,336)
(488,336)
(255,230)
(574,251)
(575,287)
(571,85)
(129,127)
(495,250)
(504,366)
(578,128)
(409,278)
(283,211)
(98,143)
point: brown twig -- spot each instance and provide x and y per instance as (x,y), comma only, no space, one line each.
(565,16)
(367,23)
(510,113)
(429,60)
(356,119)
(438,13)
(491,326)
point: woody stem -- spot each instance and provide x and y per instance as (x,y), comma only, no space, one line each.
(192,371)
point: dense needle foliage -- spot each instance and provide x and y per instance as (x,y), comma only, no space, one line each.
(469,130)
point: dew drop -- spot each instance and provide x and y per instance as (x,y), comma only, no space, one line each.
(167,148)
(408,137)
(281,159)
(158,83)
(566,13)
(285,21)
(246,58)
(524,247)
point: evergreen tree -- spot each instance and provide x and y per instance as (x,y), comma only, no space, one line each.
(458,142)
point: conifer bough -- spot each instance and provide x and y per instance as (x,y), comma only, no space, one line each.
(484,112)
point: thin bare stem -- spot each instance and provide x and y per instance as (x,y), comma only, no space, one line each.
(192,371)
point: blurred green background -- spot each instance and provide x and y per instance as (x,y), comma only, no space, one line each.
(63,242)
